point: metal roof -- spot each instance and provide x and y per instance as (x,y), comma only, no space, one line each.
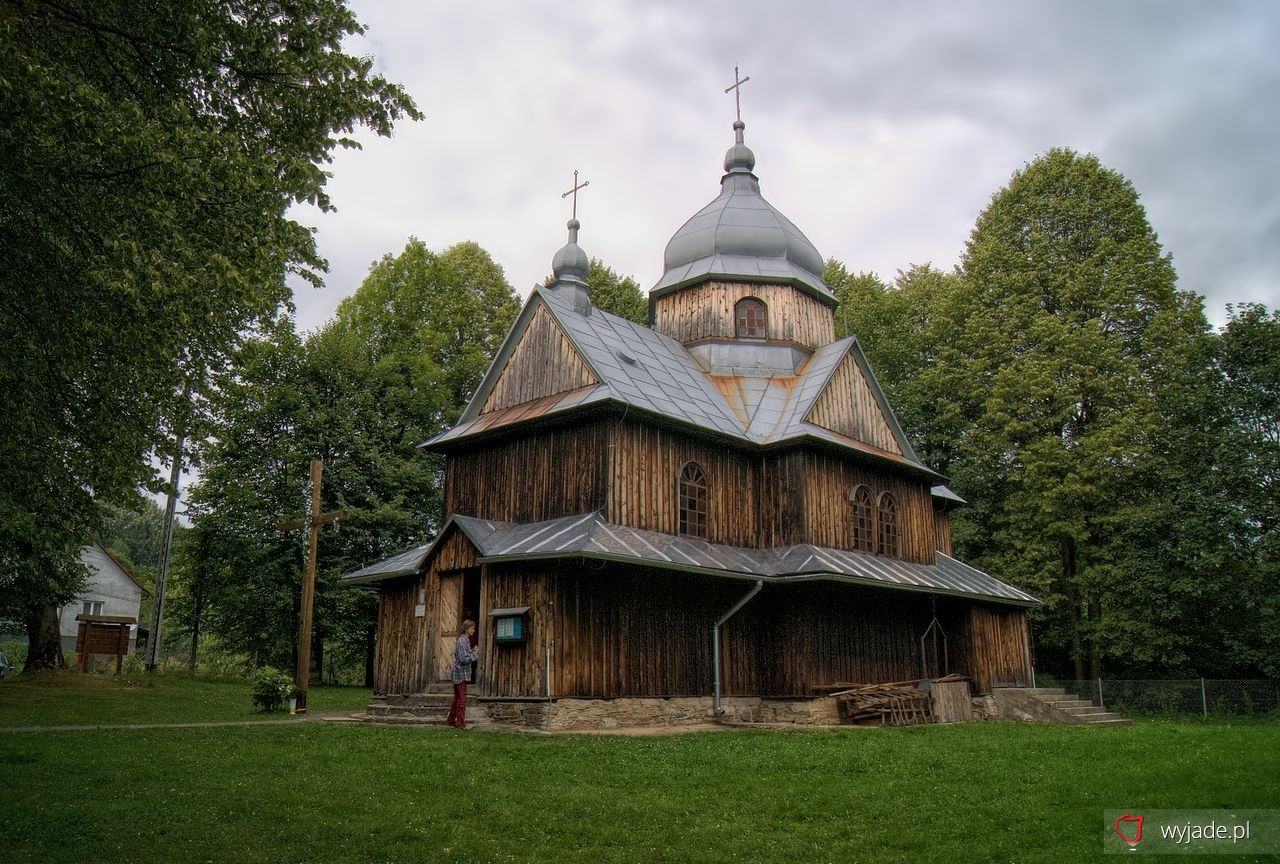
(588,535)
(402,564)
(740,236)
(653,373)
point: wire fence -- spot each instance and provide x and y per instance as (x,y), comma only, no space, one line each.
(1208,697)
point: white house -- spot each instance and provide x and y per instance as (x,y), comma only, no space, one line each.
(111,590)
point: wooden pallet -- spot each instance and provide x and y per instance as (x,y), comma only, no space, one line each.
(898,703)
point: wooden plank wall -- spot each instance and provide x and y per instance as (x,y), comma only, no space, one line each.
(613,630)
(848,406)
(706,312)
(831,478)
(543,362)
(399,664)
(994,643)
(758,500)
(454,552)
(790,638)
(942,531)
(623,631)
(559,471)
(619,631)
(646,462)
(515,670)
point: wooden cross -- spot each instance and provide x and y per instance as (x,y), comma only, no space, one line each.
(737,88)
(574,191)
(313,521)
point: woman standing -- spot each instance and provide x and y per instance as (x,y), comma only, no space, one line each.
(463,656)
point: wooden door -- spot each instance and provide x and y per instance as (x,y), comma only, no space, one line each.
(449,623)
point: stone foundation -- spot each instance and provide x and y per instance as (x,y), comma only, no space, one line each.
(594,714)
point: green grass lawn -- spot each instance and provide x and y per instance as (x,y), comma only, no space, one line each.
(71,699)
(340,793)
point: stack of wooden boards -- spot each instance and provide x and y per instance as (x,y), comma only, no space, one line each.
(899,703)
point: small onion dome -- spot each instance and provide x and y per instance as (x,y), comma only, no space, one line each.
(741,237)
(569,271)
(570,263)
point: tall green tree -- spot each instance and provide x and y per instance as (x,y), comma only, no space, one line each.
(902,333)
(1249,359)
(394,368)
(150,155)
(1062,337)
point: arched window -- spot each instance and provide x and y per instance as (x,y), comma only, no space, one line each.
(863,536)
(888,519)
(692,490)
(751,319)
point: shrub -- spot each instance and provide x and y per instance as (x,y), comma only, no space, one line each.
(270,689)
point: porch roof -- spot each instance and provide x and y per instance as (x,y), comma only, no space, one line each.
(588,535)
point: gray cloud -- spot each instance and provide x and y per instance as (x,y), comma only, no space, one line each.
(881,129)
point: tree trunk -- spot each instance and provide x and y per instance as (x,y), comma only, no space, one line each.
(1095,650)
(316,672)
(1072,591)
(195,632)
(370,648)
(44,643)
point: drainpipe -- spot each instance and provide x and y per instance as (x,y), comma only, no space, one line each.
(715,641)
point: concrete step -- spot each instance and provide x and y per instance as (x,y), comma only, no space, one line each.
(407,711)
(1084,708)
(1115,721)
(1097,716)
(1054,705)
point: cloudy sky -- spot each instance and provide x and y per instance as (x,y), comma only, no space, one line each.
(881,129)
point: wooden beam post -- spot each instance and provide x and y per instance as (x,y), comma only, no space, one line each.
(313,522)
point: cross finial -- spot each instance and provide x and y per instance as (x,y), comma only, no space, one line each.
(574,191)
(737,88)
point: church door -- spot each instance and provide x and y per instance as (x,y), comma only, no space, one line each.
(450,623)
(459,600)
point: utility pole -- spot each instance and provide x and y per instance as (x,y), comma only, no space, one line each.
(166,554)
(313,521)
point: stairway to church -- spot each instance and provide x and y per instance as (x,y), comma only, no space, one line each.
(418,709)
(1053,705)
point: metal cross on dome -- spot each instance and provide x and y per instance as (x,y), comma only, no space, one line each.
(737,88)
(574,191)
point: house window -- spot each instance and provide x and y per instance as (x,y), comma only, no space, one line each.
(751,318)
(92,607)
(888,513)
(863,539)
(693,500)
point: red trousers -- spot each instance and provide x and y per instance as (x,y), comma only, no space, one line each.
(458,710)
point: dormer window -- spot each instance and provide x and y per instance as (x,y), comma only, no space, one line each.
(692,490)
(751,319)
(863,535)
(888,534)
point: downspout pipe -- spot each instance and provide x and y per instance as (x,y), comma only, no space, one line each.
(715,641)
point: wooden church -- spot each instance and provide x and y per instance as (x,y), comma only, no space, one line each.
(720,504)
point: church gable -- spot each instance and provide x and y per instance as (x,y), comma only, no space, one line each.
(849,406)
(542,362)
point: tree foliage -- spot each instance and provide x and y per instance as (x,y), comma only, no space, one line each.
(1249,360)
(1071,344)
(620,295)
(149,157)
(1080,404)
(615,294)
(394,368)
